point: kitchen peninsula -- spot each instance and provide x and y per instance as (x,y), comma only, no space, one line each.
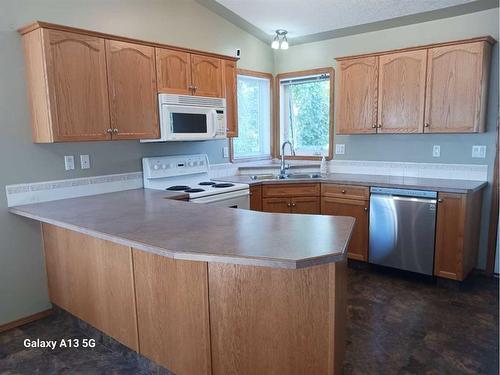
(201,289)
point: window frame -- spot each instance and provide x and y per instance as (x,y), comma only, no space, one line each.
(277,110)
(270,77)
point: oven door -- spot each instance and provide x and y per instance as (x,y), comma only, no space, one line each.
(232,199)
(182,123)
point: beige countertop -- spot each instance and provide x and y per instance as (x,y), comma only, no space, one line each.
(433,184)
(145,220)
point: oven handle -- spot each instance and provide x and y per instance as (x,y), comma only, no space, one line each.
(222,196)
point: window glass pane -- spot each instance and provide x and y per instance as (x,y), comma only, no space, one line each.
(305,116)
(253,118)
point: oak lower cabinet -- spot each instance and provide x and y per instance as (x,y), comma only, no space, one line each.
(334,202)
(457,234)
(203,318)
(132,90)
(256,198)
(92,279)
(300,198)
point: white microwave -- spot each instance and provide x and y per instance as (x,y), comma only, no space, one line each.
(190,118)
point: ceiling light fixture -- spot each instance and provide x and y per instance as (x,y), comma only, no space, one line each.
(280,41)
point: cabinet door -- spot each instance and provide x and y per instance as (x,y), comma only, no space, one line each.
(358,247)
(282,205)
(306,205)
(206,76)
(76,75)
(256,198)
(132,90)
(357,96)
(448,257)
(231,97)
(401,92)
(456,84)
(173,69)
(93,280)
(291,190)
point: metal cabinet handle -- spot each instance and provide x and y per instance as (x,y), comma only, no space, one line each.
(294,205)
(366,209)
(440,200)
(289,204)
(427,125)
(343,191)
(379,126)
(374,126)
(115,131)
(109,131)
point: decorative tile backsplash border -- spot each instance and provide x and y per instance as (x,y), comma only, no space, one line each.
(423,170)
(78,187)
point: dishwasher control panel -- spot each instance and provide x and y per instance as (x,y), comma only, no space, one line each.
(404,192)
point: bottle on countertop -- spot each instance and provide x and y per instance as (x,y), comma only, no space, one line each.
(323,168)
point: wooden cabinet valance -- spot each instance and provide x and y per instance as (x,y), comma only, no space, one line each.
(90,86)
(439,88)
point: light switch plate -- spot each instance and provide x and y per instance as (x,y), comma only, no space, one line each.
(436,151)
(84,161)
(69,162)
(225,152)
(479,151)
(340,149)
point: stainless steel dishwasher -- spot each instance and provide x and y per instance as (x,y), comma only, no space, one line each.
(402,229)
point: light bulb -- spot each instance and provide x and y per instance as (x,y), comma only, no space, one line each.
(276,43)
(284,43)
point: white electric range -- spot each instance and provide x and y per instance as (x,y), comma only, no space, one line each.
(190,174)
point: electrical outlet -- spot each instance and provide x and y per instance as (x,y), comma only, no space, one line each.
(84,161)
(69,162)
(340,149)
(436,151)
(225,152)
(479,151)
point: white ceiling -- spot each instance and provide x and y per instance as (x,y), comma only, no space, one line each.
(305,17)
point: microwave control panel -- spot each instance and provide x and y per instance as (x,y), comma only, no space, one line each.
(220,124)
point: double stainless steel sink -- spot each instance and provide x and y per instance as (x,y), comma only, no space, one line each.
(291,176)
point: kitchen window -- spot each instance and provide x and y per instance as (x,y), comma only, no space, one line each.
(254,117)
(305,113)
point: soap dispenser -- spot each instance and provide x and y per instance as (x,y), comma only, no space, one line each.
(323,168)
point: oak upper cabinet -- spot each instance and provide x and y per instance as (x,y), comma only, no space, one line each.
(457,81)
(357,96)
(231,95)
(457,234)
(401,92)
(206,75)
(67,86)
(132,90)
(173,69)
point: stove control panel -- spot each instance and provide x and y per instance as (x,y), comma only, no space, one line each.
(171,166)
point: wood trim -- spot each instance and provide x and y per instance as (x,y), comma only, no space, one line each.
(25,320)
(494,214)
(301,73)
(487,38)
(47,25)
(270,77)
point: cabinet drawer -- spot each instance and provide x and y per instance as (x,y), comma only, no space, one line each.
(345,191)
(291,190)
